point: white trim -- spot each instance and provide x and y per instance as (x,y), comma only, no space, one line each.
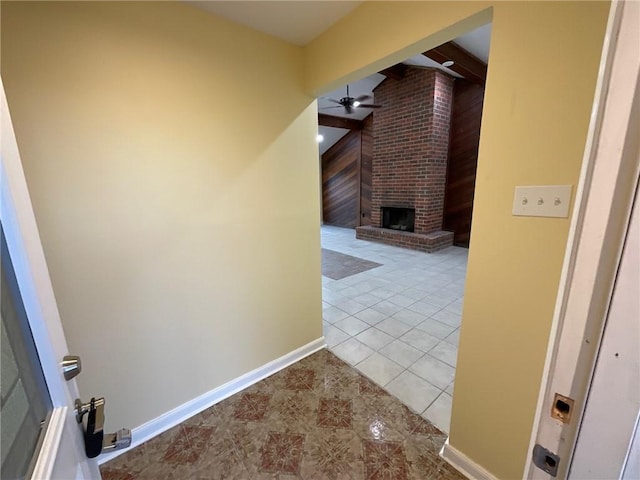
(464,464)
(50,445)
(181,413)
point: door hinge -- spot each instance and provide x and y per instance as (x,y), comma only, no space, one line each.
(545,460)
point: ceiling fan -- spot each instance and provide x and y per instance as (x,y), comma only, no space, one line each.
(349,103)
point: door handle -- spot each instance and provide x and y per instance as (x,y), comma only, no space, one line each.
(71,366)
(95,440)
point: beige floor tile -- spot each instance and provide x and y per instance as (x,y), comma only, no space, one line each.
(435,328)
(439,412)
(445,352)
(351,325)
(420,340)
(379,368)
(401,353)
(352,351)
(413,391)
(434,371)
(374,338)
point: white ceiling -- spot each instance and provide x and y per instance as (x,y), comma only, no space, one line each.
(297,22)
(331,136)
(361,87)
(476,42)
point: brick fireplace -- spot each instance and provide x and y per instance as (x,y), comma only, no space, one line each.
(411,143)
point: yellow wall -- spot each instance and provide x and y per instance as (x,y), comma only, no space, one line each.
(178,202)
(542,71)
(172,164)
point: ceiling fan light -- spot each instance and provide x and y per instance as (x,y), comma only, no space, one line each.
(448,63)
(356,104)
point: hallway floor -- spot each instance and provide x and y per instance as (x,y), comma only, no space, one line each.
(316,419)
(397,323)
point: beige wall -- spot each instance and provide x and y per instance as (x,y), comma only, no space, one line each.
(172,164)
(542,71)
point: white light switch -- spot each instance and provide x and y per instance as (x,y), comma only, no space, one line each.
(542,201)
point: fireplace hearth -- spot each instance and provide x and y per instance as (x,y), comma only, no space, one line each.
(398,218)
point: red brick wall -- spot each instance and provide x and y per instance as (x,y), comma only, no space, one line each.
(411,142)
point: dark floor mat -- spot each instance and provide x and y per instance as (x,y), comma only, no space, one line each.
(337,265)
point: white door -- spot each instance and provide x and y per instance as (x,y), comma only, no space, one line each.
(33,386)
(609,422)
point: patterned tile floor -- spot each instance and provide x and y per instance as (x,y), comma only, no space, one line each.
(398,323)
(317,419)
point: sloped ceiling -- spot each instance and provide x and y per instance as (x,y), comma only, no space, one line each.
(299,22)
(475,42)
(293,21)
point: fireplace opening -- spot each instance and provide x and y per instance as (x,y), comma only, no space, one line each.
(397,218)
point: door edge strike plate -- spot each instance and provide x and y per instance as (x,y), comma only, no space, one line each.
(545,460)
(562,408)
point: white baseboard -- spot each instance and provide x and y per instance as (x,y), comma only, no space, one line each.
(179,414)
(464,464)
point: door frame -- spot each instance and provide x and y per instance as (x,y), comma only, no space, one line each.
(62,439)
(604,198)
(606,432)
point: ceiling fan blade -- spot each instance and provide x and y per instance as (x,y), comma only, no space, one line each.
(327,99)
(327,108)
(362,98)
(348,109)
(368,105)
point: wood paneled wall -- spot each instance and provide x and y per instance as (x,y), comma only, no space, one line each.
(346,178)
(463,159)
(341,181)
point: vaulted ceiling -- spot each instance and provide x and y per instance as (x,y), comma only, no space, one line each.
(299,22)
(472,44)
(469,52)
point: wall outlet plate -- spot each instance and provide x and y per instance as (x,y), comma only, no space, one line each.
(542,201)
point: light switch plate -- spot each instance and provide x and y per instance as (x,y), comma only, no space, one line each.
(542,201)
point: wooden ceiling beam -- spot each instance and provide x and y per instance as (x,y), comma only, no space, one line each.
(465,64)
(325,120)
(395,72)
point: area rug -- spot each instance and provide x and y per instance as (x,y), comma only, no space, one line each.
(336,265)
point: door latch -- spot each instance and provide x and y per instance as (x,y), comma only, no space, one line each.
(95,441)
